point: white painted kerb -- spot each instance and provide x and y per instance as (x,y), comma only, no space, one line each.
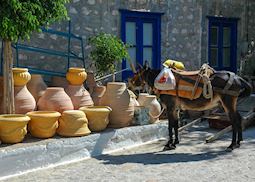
(23,157)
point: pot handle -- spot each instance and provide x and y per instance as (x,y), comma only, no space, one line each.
(110,109)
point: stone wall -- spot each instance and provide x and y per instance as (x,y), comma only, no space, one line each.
(183,30)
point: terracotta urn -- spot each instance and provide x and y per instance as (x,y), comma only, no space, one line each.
(1,94)
(43,124)
(98,94)
(118,98)
(55,99)
(36,86)
(79,95)
(133,98)
(13,127)
(24,100)
(151,102)
(73,123)
(141,98)
(98,117)
(20,76)
(76,76)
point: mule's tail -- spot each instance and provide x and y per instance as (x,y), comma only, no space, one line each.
(246,88)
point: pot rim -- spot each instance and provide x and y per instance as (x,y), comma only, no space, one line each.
(76,69)
(43,114)
(72,111)
(100,108)
(19,70)
(14,117)
(55,88)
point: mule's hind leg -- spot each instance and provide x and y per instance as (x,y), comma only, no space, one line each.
(229,105)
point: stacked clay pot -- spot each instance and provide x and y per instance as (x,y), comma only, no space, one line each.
(118,98)
(73,123)
(79,95)
(55,99)
(23,99)
(36,86)
(141,98)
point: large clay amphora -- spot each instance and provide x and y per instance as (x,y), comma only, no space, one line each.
(151,102)
(97,94)
(118,98)
(23,99)
(36,86)
(79,95)
(141,98)
(55,99)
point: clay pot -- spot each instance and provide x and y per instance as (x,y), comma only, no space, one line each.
(73,123)
(13,127)
(133,98)
(20,76)
(23,99)
(55,99)
(36,86)
(57,81)
(118,98)
(97,117)
(79,95)
(98,94)
(1,94)
(43,124)
(151,102)
(141,98)
(76,76)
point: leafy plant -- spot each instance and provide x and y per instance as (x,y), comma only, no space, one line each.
(107,51)
(18,19)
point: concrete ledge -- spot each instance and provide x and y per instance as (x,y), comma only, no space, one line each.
(35,153)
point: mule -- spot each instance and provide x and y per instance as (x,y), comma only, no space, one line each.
(220,80)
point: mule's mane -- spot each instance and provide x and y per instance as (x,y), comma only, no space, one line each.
(150,75)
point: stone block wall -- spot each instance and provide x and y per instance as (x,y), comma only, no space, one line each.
(183,28)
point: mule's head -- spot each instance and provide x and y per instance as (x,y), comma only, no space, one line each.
(137,82)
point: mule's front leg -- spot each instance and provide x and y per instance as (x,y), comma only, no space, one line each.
(172,120)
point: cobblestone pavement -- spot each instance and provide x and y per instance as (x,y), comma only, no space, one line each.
(193,160)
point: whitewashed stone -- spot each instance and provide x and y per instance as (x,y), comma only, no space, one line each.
(53,36)
(91,2)
(190,17)
(184,31)
(41,35)
(76,1)
(72,10)
(175,30)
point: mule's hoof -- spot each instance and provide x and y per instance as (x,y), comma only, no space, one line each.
(169,147)
(232,147)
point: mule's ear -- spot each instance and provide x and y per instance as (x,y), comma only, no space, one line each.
(146,65)
(139,66)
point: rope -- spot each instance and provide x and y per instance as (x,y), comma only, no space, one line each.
(155,117)
(207,86)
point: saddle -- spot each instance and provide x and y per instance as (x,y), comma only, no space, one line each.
(191,84)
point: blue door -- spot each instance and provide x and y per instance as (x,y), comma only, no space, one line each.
(222,43)
(141,30)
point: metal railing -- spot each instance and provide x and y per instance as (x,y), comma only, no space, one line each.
(68,54)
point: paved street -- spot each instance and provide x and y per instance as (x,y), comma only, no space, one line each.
(193,160)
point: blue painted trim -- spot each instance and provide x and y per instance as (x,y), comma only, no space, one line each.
(222,22)
(139,18)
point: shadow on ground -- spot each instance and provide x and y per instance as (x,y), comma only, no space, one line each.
(160,157)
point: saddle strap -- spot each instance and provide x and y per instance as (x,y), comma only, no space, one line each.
(230,81)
